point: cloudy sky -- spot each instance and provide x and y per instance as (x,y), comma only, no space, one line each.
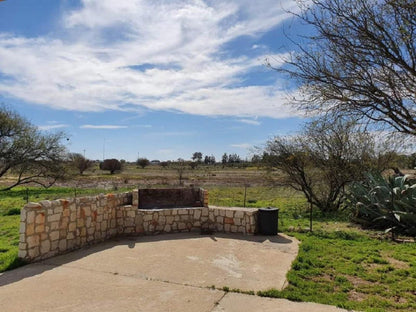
(160,79)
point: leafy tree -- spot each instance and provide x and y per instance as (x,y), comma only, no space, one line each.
(112,165)
(28,155)
(234,159)
(143,162)
(360,61)
(80,162)
(209,160)
(324,159)
(197,157)
(224,159)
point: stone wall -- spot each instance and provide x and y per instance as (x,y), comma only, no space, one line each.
(48,228)
(53,227)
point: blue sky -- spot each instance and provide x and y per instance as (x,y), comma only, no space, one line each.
(159,79)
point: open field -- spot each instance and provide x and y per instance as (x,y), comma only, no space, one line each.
(338,264)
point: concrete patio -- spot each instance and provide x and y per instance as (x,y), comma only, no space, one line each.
(173,272)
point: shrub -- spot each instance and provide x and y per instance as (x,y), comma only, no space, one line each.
(111,164)
(385,203)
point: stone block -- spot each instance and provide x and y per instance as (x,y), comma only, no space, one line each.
(131,214)
(237,221)
(197,214)
(147,217)
(229,213)
(23,214)
(228,220)
(169,219)
(30,217)
(45,247)
(40,218)
(22,254)
(54,235)
(239,214)
(220,219)
(54,225)
(222,212)
(45,204)
(63,234)
(33,206)
(30,229)
(72,226)
(70,244)
(40,228)
(54,217)
(54,245)
(33,252)
(33,241)
(22,228)
(113,223)
(73,216)
(233,229)
(227,227)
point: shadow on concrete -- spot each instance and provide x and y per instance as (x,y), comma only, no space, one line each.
(36,268)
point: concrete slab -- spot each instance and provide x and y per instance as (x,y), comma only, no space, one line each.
(74,289)
(158,273)
(233,302)
(235,261)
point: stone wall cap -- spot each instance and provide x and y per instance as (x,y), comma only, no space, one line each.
(32,205)
(234,208)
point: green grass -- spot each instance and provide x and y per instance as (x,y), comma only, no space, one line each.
(9,242)
(12,201)
(338,264)
(349,269)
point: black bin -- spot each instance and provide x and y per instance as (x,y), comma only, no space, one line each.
(267,220)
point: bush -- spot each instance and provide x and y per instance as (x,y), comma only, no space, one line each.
(385,203)
(111,164)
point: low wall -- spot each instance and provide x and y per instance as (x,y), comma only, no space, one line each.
(53,227)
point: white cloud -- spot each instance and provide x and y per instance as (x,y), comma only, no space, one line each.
(250,122)
(242,145)
(110,127)
(166,55)
(52,126)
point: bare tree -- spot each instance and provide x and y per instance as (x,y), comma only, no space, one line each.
(360,62)
(321,161)
(80,162)
(26,154)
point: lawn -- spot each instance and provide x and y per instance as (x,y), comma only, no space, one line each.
(338,264)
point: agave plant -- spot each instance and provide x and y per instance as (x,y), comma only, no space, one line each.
(384,203)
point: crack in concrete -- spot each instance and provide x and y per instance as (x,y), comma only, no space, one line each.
(217,303)
(137,276)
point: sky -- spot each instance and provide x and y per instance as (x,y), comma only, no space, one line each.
(158,79)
